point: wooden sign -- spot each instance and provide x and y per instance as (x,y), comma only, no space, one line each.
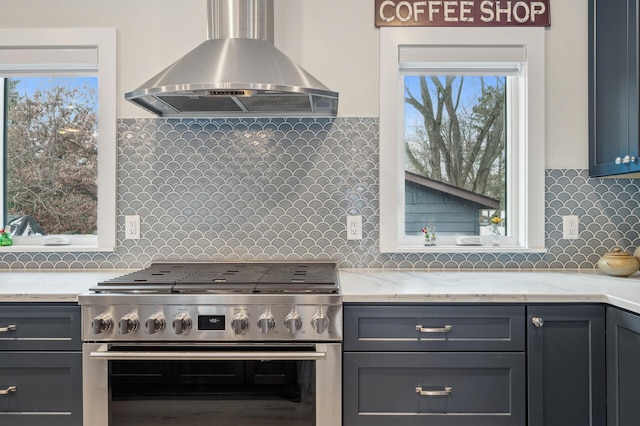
(462,13)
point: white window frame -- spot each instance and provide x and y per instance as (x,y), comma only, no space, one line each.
(465,50)
(71,51)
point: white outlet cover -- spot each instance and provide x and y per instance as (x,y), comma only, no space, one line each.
(570,227)
(354,227)
(132,227)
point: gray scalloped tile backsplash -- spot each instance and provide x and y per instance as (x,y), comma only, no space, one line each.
(279,189)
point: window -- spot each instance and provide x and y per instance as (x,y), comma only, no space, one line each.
(462,139)
(456,140)
(57,114)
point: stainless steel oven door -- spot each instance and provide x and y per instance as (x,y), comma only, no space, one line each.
(122,383)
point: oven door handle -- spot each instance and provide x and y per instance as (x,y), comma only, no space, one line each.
(209,356)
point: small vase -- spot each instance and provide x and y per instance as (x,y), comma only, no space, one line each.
(430,241)
(495,235)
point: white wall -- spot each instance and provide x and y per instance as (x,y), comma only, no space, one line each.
(335,40)
(567,86)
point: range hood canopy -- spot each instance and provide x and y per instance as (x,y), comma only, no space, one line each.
(236,72)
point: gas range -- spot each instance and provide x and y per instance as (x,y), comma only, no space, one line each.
(216,302)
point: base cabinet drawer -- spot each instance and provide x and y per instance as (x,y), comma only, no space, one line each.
(44,327)
(42,388)
(435,389)
(434,328)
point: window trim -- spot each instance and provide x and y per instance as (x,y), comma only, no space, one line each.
(104,40)
(529,225)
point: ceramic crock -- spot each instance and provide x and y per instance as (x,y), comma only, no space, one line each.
(618,263)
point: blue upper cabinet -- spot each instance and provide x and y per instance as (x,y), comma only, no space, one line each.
(613,87)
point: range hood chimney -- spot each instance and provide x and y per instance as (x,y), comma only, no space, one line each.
(236,72)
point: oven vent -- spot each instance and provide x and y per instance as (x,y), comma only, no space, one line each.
(238,67)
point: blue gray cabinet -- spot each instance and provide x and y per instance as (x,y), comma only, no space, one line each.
(437,365)
(613,87)
(40,365)
(623,367)
(566,365)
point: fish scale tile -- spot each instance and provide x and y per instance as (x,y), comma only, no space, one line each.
(280,188)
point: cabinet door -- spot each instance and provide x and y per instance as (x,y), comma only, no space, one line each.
(434,388)
(623,368)
(613,87)
(566,365)
(633,85)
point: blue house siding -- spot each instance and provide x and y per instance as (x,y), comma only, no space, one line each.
(450,215)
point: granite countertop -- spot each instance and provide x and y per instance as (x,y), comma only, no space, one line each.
(413,286)
(383,286)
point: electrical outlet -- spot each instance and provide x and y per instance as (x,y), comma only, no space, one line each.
(132,227)
(354,227)
(570,227)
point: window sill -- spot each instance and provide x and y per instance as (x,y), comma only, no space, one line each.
(54,249)
(468,249)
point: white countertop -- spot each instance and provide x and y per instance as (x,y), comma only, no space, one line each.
(49,286)
(384,286)
(414,286)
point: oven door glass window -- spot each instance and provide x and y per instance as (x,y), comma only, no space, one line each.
(212,392)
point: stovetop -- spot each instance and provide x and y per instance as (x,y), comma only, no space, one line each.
(226,278)
(216,302)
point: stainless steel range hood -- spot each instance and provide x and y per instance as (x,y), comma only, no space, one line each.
(236,72)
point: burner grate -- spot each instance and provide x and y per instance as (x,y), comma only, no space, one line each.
(227,278)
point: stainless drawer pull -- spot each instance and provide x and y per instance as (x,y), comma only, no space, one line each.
(11,327)
(446,392)
(7,391)
(445,329)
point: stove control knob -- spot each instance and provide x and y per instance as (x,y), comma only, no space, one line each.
(320,322)
(293,321)
(182,323)
(103,323)
(155,323)
(240,323)
(129,323)
(266,322)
